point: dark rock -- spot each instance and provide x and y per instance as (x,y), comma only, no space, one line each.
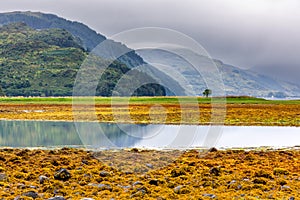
(260,181)
(292,198)
(213,149)
(134,150)
(177,172)
(104,174)
(209,195)
(154,182)
(31,194)
(215,171)
(62,174)
(57,198)
(42,179)
(85,162)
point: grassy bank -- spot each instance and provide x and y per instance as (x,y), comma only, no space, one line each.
(142,100)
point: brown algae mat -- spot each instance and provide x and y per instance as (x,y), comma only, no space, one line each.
(149,174)
(229,114)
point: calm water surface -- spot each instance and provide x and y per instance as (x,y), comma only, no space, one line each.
(104,135)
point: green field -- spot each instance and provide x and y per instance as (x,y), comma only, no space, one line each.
(141,100)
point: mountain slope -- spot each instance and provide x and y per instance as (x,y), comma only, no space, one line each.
(45,63)
(236,81)
(87,37)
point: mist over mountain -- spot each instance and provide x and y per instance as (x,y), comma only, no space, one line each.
(236,81)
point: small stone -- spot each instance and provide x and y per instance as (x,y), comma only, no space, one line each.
(285,187)
(181,189)
(62,174)
(137,183)
(57,198)
(292,198)
(215,171)
(3,177)
(104,174)
(101,186)
(87,199)
(42,179)
(85,162)
(213,149)
(153,182)
(21,186)
(139,194)
(209,195)
(149,165)
(31,194)
(177,189)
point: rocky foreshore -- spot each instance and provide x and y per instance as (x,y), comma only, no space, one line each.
(149,174)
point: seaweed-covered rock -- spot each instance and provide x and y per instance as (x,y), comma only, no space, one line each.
(31,194)
(42,179)
(62,174)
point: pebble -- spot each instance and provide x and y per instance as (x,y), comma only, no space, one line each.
(153,182)
(101,186)
(215,171)
(149,165)
(181,189)
(209,195)
(31,194)
(104,174)
(42,179)
(137,183)
(3,177)
(57,198)
(62,174)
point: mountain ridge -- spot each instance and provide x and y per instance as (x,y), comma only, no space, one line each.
(45,63)
(89,38)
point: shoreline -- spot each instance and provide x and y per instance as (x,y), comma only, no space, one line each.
(258,124)
(145,174)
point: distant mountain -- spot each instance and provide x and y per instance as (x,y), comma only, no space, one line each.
(236,81)
(85,36)
(45,63)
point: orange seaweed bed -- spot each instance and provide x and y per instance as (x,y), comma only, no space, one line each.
(235,114)
(149,174)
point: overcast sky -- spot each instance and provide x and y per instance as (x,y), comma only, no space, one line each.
(258,34)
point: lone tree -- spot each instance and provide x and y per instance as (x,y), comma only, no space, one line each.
(206,92)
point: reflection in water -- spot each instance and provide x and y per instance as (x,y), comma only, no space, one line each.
(37,133)
(107,136)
